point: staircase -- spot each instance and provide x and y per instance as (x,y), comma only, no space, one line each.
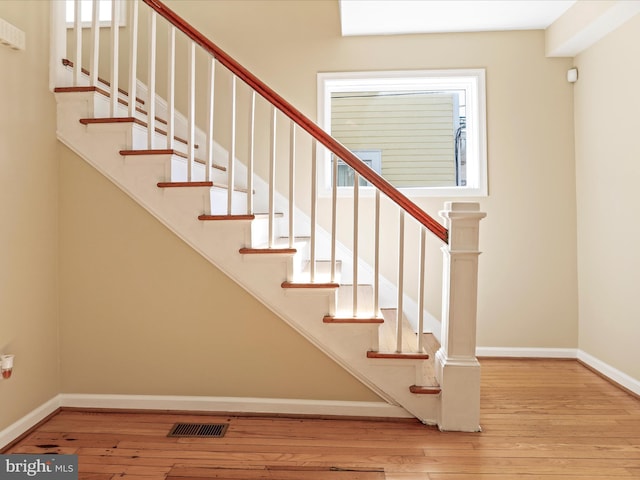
(260,233)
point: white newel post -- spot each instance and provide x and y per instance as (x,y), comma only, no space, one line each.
(457,368)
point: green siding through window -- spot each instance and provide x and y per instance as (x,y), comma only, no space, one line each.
(414,131)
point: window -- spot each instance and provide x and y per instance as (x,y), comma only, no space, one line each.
(373,158)
(86,12)
(427,127)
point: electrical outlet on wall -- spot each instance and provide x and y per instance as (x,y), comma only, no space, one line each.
(6,365)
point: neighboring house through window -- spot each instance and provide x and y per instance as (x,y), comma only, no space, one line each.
(423,131)
(373,159)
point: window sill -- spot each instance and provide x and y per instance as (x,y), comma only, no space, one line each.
(412,192)
(87,25)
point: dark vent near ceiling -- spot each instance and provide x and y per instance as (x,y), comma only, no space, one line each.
(203,430)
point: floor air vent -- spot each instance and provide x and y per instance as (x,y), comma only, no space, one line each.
(202,430)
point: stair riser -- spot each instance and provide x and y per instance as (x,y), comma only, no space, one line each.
(188,201)
(219,202)
(159,141)
(366,336)
(260,230)
(179,172)
(142,170)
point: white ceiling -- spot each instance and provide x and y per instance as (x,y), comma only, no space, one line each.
(388,17)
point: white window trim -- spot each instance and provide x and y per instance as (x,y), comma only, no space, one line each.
(471,80)
(122,21)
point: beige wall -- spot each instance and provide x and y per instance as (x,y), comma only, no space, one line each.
(109,284)
(528,289)
(29,213)
(607,172)
(143,313)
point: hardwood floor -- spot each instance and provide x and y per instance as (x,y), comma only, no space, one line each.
(541,419)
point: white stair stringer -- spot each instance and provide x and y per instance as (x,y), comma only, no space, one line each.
(220,242)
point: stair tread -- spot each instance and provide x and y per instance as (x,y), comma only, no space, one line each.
(268,251)
(184,184)
(69,63)
(354,320)
(276,215)
(309,285)
(106,93)
(387,343)
(96,89)
(168,151)
(198,184)
(398,355)
(409,337)
(237,216)
(103,120)
(206,217)
(425,389)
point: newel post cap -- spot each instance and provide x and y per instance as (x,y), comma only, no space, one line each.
(462,210)
(463,221)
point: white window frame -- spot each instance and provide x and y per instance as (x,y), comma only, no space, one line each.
(472,81)
(87,6)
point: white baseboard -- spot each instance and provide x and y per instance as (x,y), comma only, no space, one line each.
(235,405)
(266,406)
(27,422)
(601,367)
(527,352)
(610,372)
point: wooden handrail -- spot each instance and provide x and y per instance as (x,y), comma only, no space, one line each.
(300,119)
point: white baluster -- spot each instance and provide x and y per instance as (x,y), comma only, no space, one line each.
(376,259)
(400,284)
(421,281)
(133,58)
(191,109)
(211,88)
(94,61)
(115,45)
(292,174)
(334,214)
(272,177)
(151,82)
(356,201)
(252,123)
(77,33)
(314,211)
(232,148)
(171,85)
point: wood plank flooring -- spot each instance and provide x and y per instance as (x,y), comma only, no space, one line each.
(541,419)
